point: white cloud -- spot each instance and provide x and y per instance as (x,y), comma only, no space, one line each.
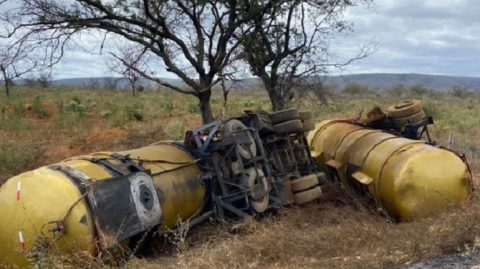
(439,37)
(412,36)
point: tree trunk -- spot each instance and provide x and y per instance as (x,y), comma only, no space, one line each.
(6,80)
(205,107)
(7,88)
(277,100)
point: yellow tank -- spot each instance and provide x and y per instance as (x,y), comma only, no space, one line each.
(54,203)
(406,178)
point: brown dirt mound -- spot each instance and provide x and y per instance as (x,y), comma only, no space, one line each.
(50,108)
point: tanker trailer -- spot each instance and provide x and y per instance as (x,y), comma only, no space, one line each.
(404,177)
(98,202)
(105,202)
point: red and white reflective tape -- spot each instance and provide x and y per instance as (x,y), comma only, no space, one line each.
(22,241)
(19,186)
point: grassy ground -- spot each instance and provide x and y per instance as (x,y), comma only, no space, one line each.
(39,127)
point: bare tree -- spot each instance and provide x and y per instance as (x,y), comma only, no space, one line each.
(14,63)
(126,63)
(191,38)
(290,44)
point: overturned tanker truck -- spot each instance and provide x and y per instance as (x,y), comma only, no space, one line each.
(108,201)
(105,202)
(391,160)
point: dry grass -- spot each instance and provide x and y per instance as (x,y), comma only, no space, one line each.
(334,233)
(328,234)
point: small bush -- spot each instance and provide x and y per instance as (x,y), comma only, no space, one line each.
(356,89)
(249,103)
(76,106)
(419,90)
(460,92)
(432,109)
(105,113)
(38,109)
(134,111)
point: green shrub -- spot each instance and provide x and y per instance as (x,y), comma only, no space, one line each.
(38,109)
(134,111)
(249,103)
(356,89)
(460,92)
(75,105)
(432,109)
(105,113)
(419,90)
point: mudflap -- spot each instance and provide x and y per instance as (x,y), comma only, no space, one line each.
(123,207)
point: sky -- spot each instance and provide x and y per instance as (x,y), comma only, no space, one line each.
(439,37)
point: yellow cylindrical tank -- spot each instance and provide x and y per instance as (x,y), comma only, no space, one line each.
(406,178)
(38,204)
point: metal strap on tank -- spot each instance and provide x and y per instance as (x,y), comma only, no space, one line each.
(377,182)
(340,142)
(324,127)
(115,170)
(79,179)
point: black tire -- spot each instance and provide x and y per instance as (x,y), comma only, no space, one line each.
(304,183)
(400,122)
(291,126)
(284,115)
(308,195)
(405,109)
(308,125)
(305,115)
(256,178)
(322,178)
(248,150)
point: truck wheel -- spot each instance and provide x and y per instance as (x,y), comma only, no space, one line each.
(259,189)
(284,115)
(400,122)
(308,195)
(322,178)
(248,150)
(304,183)
(405,108)
(291,126)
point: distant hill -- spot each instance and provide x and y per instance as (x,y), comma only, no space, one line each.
(102,81)
(374,81)
(386,81)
